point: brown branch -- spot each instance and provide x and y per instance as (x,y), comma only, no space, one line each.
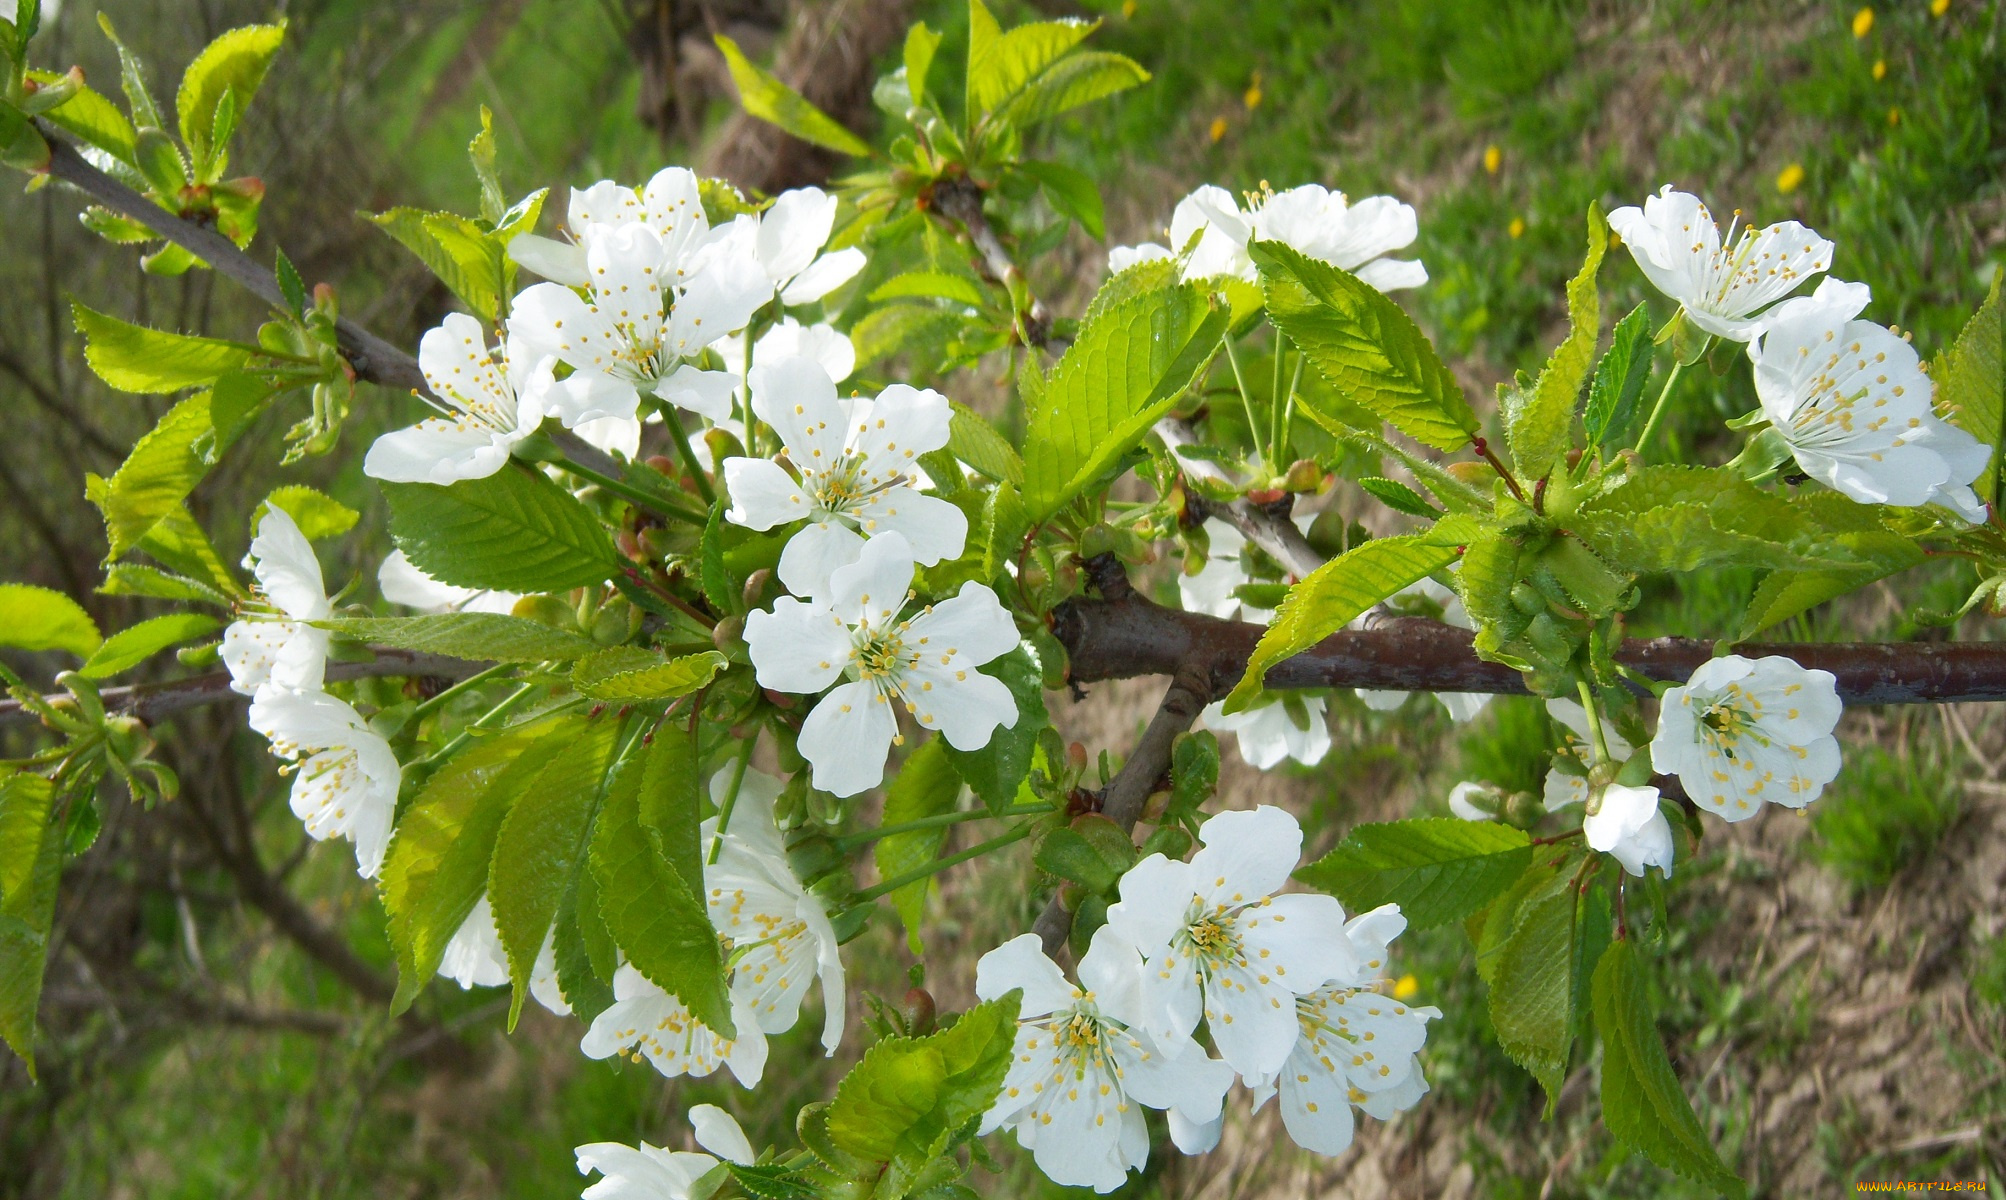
(960,200)
(1128,636)
(151,701)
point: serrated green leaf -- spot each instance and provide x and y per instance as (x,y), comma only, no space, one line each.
(920,44)
(318,515)
(1334,595)
(178,542)
(466,259)
(37,618)
(513,531)
(132,77)
(578,980)
(1684,518)
(1128,366)
(477,637)
(1073,193)
(1532,987)
(1397,496)
(134,579)
(925,786)
(907,1095)
(233,66)
(541,844)
(1437,869)
(157,476)
(997,769)
(715,579)
(437,865)
(133,358)
(481,151)
(291,286)
(136,643)
(975,441)
(1642,1103)
(930,285)
(1093,852)
(1970,380)
(30,862)
(771,1181)
(1364,346)
(1538,429)
(655,914)
(1785,594)
(1619,380)
(91,117)
(235,400)
(763,95)
(631,673)
(1074,81)
(1001,64)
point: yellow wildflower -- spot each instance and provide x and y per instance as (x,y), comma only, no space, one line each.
(1517,227)
(1406,987)
(1218,130)
(1493,159)
(1938,7)
(1863,22)
(1252,97)
(1880,69)
(1790,178)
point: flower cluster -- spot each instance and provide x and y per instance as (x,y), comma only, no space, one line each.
(345,776)
(1289,992)
(776,934)
(1211,228)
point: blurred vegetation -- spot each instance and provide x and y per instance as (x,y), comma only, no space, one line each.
(195,1050)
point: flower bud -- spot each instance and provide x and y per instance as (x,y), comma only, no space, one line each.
(918,1012)
(755,586)
(729,637)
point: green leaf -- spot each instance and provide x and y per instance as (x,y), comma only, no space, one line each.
(930,284)
(438,862)
(655,912)
(317,514)
(236,400)
(1437,869)
(1001,64)
(1093,852)
(1685,518)
(157,476)
(133,579)
(232,66)
(1128,366)
(291,286)
(132,77)
(631,673)
(1970,380)
(975,441)
(578,927)
(1334,595)
(1071,82)
(136,643)
(514,531)
(1370,351)
(996,770)
(541,844)
(1538,428)
(477,637)
(763,95)
(90,117)
(1532,987)
(466,258)
(1642,1103)
(1853,528)
(920,43)
(1073,193)
(1398,496)
(909,1095)
(30,861)
(178,542)
(925,786)
(133,358)
(1619,379)
(712,575)
(36,618)
(481,151)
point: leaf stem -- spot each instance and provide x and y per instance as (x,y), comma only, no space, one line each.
(1246,399)
(460,739)
(460,688)
(688,454)
(941,864)
(937,821)
(730,800)
(1277,404)
(654,503)
(1594,720)
(1658,409)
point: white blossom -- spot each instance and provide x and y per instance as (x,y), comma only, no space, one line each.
(270,641)
(401,582)
(786,241)
(1312,220)
(346,778)
(719,1132)
(671,207)
(669,1035)
(1219,943)
(490,399)
(1563,788)
(1083,1065)
(648,1172)
(780,933)
(1628,823)
(1269,733)
(1851,400)
(1462,706)
(475,957)
(1355,1046)
(856,462)
(821,343)
(1463,801)
(1722,283)
(925,663)
(1742,731)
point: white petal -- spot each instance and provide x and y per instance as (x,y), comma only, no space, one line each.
(1021,963)
(717,300)
(900,425)
(674,206)
(1121,258)
(934,528)
(828,347)
(793,230)
(719,1133)
(559,262)
(286,568)
(815,553)
(972,625)
(1392,274)
(621,435)
(762,495)
(796,647)
(797,397)
(437,450)
(1247,852)
(1304,938)
(823,276)
(966,706)
(586,396)
(847,738)
(872,591)
(474,956)
(1154,896)
(706,393)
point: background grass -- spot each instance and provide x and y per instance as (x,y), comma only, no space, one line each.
(1835,988)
